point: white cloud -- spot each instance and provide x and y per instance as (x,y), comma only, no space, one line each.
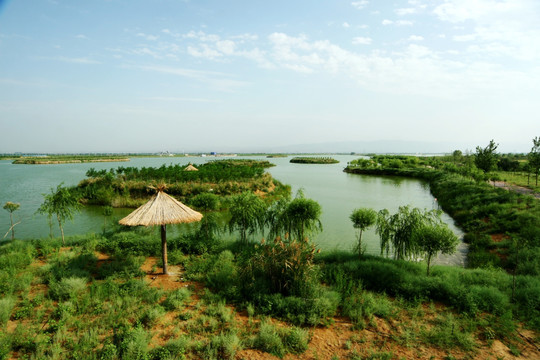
(203,51)
(81,36)
(360,4)
(404,23)
(405,11)
(148,37)
(83,60)
(397,23)
(416,38)
(217,80)
(360,40)
(464,38)
(346,25)
(507,28)
(415,70)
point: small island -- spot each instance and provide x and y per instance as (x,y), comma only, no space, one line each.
(68,159)
(314,160)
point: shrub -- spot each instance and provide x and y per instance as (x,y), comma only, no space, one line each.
(223,346)
(121,267)
(173,350)
(132,343)
(268,340)
(486,298)
(6,307)
(176,298)
(364,305)
(151,316)
(447,333)
(67,288)
(222,275)
(296,340)
(220,312)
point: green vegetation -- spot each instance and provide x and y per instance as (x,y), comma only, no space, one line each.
(128,186)
(48,292)
(313,160)
(362,219)
(295,218)
(66,159)
(62,203)
(498,222)
(98,296)
(11,207)
(406,234)
(534,158)
(247,214)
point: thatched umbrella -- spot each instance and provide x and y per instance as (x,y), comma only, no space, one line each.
(161,209)
(190,167)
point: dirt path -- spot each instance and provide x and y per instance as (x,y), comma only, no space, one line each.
(515,188)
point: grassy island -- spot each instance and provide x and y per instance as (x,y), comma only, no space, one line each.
(68,159)
(313,160)
(129,186)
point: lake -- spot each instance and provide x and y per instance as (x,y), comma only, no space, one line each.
(337,192)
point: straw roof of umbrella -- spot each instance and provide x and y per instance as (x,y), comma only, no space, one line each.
(161,209)
(190,167)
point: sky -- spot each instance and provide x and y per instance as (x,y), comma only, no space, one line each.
(196,75)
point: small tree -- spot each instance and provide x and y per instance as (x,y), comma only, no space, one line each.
(457,155)
(534,157)
(247,214)
(207,203)
(397,232)
(62,203)
(11,207)
(486,158)
(297,217)
(362,219)
(303,215)
(433,239)
(107,213)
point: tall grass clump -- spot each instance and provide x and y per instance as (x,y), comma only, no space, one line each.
(176,299)
(268,340)
(67,288)
(222,347)
(6,307)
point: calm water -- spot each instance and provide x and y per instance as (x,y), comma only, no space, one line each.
(338,194)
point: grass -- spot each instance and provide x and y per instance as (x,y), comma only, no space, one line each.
(64,159)
(313,160)
(519,179)
(59,303)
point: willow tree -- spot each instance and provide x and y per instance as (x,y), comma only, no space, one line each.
(207,203)
(362,219)
(397,231)
(11,207)
(297,218)
(62,203)
(247,214)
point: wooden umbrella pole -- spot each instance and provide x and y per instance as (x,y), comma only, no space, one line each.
(164,248)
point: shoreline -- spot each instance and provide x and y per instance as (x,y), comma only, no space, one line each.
(54,162)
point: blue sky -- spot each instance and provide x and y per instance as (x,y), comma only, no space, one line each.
(188,75)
